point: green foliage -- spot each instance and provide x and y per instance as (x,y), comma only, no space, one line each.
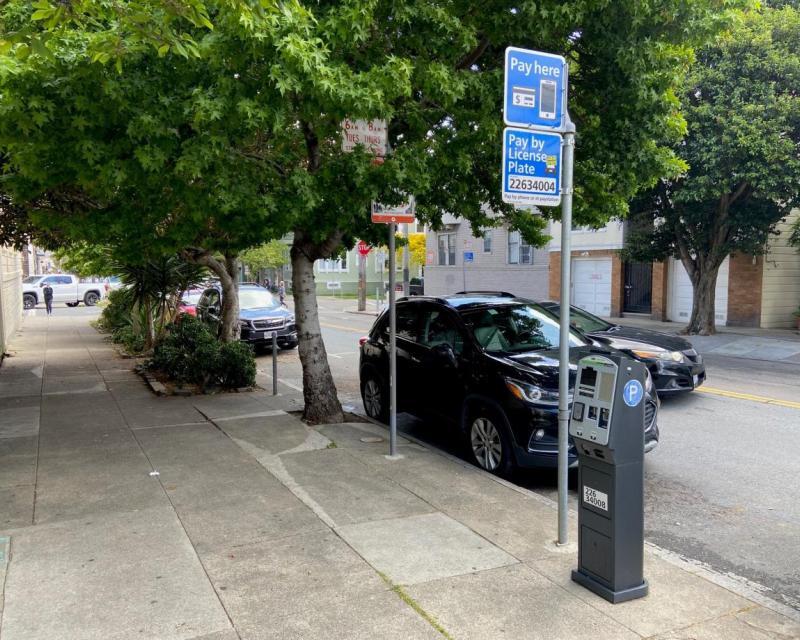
(118,318)
(272,255)
(117,312)
(190,353)
(228,137)
(84,259)
(187,352)
(237,367)
(742,105)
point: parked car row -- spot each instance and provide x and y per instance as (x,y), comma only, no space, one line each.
(487,362)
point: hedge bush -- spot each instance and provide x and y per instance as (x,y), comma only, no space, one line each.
(190,353)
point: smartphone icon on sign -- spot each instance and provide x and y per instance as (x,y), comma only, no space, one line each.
(547,99)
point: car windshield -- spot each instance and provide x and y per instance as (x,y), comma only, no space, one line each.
(257,299)
(191,297)
(516,328)
(585,321)
(31,279)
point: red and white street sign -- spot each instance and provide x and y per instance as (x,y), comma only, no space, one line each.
(371,134)
(363,248)
(403,213)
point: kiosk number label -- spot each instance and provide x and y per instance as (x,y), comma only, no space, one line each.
(595,498)
(546,185)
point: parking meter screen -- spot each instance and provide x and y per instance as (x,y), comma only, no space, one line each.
(588,382)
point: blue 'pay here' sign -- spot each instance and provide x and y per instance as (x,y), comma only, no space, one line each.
(531,167)
(534,89)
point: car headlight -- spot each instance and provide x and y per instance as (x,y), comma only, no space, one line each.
(290,319)
(669,356)
(244,324)
(531,393)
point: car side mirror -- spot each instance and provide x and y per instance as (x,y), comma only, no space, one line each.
(444,354)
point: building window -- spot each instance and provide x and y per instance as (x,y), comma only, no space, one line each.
(333,266)
(447,249)
(519,251)
(487,241)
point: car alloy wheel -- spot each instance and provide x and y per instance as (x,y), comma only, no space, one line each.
(373,399)
(487,446)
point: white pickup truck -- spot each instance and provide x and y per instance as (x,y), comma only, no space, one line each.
(66,288)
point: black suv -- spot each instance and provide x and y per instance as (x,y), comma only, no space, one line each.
(486,362)
(260,313)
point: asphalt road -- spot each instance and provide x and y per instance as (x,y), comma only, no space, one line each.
(722,487)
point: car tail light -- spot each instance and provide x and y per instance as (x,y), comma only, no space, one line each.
(361,341)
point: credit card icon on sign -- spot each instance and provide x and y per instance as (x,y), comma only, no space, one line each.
(523,97)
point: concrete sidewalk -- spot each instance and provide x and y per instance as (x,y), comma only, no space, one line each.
(221,517)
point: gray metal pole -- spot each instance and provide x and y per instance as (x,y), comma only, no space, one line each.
(563,364)
(406,263)
(274,363)
(392,347)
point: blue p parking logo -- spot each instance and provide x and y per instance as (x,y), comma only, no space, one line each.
(632,393)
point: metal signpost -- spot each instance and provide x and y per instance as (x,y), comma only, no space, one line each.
(393,215)
(535,112)
(363,252)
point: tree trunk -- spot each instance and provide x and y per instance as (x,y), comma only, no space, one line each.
(319,391)
(704,284)
(149,327)
(226,271)
(229,329)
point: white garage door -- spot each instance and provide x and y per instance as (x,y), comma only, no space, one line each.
(680,298)
(591,285)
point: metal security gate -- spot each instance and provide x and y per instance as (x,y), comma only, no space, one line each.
(638,287)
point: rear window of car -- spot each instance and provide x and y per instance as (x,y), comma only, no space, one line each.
(407,324)
(516,328)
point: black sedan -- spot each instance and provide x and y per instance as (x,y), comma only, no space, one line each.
(674,364)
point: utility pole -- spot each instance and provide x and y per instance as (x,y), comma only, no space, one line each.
(362,282)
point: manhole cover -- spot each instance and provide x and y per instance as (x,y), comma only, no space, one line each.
(372,439)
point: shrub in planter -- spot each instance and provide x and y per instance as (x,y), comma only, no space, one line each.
(116,314)
(236,365)
(189,352)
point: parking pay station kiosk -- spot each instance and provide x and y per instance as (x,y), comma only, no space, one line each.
(607,427)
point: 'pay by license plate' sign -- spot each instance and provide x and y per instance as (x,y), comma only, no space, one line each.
(595,498)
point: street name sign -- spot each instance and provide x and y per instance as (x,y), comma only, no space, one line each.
(386,214)
(371,134)
(534,89)
(531,167)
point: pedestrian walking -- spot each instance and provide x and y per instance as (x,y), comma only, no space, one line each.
(282,293)
(47,290)
(266,283)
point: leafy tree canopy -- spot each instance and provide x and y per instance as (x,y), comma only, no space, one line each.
(216,125)
(86,260)
(742,104)
(272,255)
(210,139)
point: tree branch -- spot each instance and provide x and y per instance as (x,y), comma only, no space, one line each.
(312,146)
(473,56)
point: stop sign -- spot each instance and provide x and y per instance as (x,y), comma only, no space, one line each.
(363,248)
